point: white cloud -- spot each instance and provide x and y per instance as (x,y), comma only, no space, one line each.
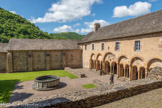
(65,28)
(14,12)
(67,10)
(77,24)
(139,8)
(90,25)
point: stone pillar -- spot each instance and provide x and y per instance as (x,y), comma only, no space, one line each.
(146,72)
(9,67)
(97,65)
(110,68)
(138,73)
(124,71)
(48,65)
(141,73)
(113,69)
(118,70)
(103,66)
(90,63)
(130,72)
(30,61)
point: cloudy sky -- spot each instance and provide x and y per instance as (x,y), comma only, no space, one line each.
(79,16)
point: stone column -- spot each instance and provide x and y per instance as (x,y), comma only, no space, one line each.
(90,63)
(117,70)
(97,65)
(48,60)
(146,72)
(130,72)
(138,73)
(124,71)
(9,67)
(113,69)
(110,68)
(103,66)
(30,61)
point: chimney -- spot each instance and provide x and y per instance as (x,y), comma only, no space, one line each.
(96,26)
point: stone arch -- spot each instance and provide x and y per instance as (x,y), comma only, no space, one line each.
(122,58)
(155,62)
(108,56)
(92,61)
(92,56)
(114,67)
(127,71)
(107,67)
(99,62)
(134,73)
(99,57)
(121,70)
(141,73)
(137,61)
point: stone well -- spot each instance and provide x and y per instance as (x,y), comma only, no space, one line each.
(44,83)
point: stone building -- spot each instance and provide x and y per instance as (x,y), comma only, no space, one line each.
(128,49)
(22,55)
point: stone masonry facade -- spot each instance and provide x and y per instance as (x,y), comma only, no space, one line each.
(125,62)
(27,61)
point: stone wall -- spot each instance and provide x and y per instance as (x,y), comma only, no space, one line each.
(3,57)
(39,62)
(56,60)
(23,61)
(93,97)
(20,61)
(147,52)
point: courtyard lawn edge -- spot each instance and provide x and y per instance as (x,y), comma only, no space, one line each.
(8,80)
(89,86)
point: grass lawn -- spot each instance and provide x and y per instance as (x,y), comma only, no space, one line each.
(8,81)
(88,86)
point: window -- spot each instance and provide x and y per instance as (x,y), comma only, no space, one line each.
(102,46)
(85,47)
(137,46)
(92,46)
(117,46)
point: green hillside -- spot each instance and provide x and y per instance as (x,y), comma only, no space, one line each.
(67,35)
(15,26)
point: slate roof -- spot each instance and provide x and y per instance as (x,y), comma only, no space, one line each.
(3,47)
(42,44)
(149,23)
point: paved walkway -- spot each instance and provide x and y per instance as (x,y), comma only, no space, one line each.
(24,90)
(151,99)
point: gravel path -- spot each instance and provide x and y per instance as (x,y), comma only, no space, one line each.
(23,90)
(151,99)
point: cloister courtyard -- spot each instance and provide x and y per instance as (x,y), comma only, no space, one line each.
(21,83)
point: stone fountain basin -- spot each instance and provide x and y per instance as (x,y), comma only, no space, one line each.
(44,83)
